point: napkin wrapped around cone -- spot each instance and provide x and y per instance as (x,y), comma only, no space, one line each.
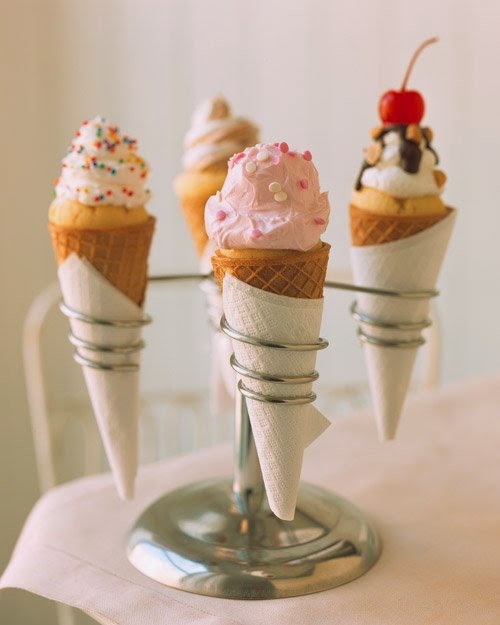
(222,377)
(273,294)
(281,432)
(400,230)
(101,234)
(114,395)
(215,134)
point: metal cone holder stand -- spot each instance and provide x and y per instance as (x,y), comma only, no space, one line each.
(219,537)
(83,347)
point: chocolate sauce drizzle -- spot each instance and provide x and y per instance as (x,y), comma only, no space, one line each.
(409,151)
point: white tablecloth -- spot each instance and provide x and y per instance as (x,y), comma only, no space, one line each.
(433,494)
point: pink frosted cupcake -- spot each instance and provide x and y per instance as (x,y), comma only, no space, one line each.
(267,222)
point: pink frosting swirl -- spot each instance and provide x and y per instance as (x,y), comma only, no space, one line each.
(271,199)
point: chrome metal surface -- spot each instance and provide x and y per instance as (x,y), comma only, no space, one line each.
(220,539)
(276,379)
(179,277)
(252,340)
(329,284)
(115,323)
(363,337)
(83,344)
(364,318)
(109,349)
(342,286)
(400,342)
(276,399)
(197,539)
(248,484)
(294,400)
(101,366)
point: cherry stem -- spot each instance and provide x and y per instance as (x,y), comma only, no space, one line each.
(416,54)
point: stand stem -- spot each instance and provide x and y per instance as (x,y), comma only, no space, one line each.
(248,484)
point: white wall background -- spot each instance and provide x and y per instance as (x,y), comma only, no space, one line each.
(309,72)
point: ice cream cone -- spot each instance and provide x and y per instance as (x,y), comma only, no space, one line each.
(119,254)
(270,263)
(283,272)
(214,136)
(101,234)
(281,432)
(400,229)
(370,228)
(114,395)
(193,190)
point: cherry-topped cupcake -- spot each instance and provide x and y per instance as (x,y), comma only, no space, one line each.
(400,228)
(399,175)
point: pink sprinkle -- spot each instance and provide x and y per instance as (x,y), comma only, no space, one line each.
(238,156)
(304,183)
(307,156)
(220,215)
(320,221)
(292,154)
(256,233)
(284,147)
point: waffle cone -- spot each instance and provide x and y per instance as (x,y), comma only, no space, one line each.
(193,209)
(193,188)
(119,254)
(368,228)
(294,274)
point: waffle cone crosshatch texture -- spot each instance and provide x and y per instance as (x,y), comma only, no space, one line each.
(119,254)
(294,275)
(372,229)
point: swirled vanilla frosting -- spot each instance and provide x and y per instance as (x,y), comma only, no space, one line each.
(401,162)
(102,167)
(215,135)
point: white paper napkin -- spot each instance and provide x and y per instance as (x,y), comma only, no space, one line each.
(281,432)
(114,395)
(410,264)
(222,376)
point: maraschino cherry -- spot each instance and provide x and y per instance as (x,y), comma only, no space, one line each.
(404,107)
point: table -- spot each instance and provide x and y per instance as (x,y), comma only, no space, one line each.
(433,495)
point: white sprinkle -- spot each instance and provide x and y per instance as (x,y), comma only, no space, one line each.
(219,196)
(250,167)
(263,155)
(275,187)
(280,196)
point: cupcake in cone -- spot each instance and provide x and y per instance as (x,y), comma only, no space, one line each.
(267,222)
(101,233)
(214,136)
(99,207)
(400,228)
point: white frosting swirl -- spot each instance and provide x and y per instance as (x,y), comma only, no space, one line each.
(102,167)
(215,135)
(387,175)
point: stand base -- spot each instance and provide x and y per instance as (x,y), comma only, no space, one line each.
(196,539)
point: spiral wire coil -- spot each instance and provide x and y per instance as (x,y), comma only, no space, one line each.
(361,317)
(83,344)
(269,377)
